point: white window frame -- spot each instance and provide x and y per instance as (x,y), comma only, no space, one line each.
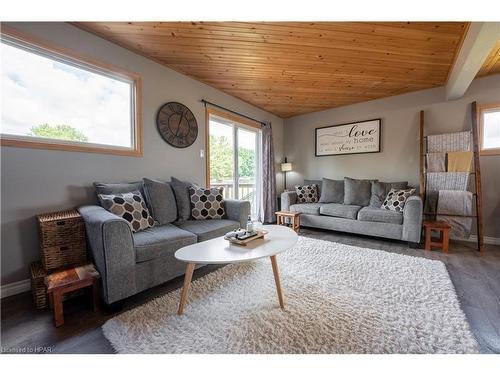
(481,110)
(237,123)
(27,43)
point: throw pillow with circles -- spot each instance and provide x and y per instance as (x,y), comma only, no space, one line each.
(396,199)
(307,193)
(206,203)
(129,206)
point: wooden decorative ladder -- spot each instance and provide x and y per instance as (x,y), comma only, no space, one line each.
(476,172)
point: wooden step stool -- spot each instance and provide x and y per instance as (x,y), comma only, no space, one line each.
(294,217)
(68,280)
(444,235)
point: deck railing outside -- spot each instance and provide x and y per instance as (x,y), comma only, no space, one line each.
(246,191)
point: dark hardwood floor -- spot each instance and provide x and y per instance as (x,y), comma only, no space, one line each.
(476,278)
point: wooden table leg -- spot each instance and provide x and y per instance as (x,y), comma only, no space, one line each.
(427,238)
(95,294)
(277,280)
(185,287)
(58,308)
(51,300)
(445,240)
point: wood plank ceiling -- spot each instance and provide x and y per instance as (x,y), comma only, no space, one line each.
(292,68)
(492,63)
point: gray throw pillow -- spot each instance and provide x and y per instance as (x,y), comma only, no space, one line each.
(182,198)
(381,189)
(161,200)
(357,192)
(116,188)
(332,191)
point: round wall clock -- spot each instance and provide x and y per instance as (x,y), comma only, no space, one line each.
(177,124)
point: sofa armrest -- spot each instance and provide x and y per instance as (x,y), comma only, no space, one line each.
(287,199)
(237,210)
(112,248)
(412,219)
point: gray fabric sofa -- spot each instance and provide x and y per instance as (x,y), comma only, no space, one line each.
(132,262)
(368,219)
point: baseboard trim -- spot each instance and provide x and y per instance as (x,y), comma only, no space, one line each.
(473,238)
(16,288)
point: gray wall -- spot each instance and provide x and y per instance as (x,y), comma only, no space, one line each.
(36,181)
(400,145)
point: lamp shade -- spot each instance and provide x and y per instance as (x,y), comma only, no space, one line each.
(286,167)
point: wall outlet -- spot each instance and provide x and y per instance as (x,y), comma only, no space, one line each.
(202,154)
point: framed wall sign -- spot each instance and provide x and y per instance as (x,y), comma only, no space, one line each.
(352,138)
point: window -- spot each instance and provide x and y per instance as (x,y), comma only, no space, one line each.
(54,100)
(234,158)
(489,129)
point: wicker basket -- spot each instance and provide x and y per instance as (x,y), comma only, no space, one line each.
(38,285)
(62,239)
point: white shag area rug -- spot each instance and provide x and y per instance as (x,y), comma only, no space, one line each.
(339,299)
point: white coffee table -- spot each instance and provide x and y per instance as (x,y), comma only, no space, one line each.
(220,251)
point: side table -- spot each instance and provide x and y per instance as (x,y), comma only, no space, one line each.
(69,280)
(443,241)
(293,216)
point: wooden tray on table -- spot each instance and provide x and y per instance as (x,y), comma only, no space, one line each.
(260,234)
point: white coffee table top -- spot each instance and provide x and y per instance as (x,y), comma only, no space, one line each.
(221,251)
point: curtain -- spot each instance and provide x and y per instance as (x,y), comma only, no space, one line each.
(268,207)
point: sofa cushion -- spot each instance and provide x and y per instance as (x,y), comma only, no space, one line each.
(332,191)
(160,241)
(380,215)
(117,188)
(207,203)
(357,192)
(381,189)
(182,199)
(129,206)
(208,229)
(306,208)
(346,211)
(160,197)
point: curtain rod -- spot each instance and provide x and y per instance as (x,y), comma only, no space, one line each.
(205,102)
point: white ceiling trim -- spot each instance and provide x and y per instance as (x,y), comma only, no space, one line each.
(477,45)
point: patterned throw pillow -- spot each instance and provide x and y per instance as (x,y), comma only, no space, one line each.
(206,203)
(307,193)
(396,199)
(130,206)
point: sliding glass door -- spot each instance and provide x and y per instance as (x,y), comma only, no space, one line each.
(234,152)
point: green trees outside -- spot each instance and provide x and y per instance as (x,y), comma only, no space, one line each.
(247,162)
(221,160)
(64,132)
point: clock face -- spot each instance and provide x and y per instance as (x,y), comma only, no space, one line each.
(177,124)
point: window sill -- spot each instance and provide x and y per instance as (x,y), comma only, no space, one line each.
(490,152)
(6,142)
